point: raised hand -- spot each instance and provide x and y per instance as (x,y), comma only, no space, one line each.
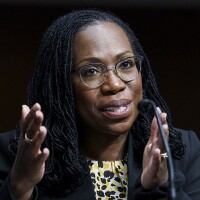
(29,165)
(155,171)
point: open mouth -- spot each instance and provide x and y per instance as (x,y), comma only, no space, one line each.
(117,112)
(116,109)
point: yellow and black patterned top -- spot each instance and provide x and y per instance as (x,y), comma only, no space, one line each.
(110,179)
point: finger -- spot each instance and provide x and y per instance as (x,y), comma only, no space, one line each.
(159,110)
(36,144)
(25,111)
(166,130)
(42,157)
(149,148)
(157,159)
(160,140)
(158,163)
(156,156)
(154,129)
(41,136)
(28,115)
(155,136)
(154,125)
(34,126)
(163,117)
(154,160)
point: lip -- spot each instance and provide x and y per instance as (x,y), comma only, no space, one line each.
(117,109)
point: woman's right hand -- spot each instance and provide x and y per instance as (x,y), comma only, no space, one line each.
(29,165)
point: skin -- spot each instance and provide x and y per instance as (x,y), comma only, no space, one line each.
(29,165)
(103,137)
(105,43)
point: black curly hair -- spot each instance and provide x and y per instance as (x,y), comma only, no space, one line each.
(51,87)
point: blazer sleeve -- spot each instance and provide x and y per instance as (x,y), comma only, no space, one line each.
(5,166)
(5,193)
(189,168)
(186,174)
(6,162)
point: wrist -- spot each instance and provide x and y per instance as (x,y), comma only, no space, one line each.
(20,192)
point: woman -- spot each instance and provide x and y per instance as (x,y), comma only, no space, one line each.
(84,138)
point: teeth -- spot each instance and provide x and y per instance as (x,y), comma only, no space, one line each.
(116,109)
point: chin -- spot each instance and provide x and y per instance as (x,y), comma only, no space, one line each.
(121,126)
(119,129)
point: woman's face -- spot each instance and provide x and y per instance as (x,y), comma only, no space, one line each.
(112,107)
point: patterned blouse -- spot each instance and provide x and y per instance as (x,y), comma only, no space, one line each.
(110,179)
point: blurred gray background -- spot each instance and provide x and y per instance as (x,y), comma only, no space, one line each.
(169,31)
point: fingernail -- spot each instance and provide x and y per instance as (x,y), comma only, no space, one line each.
(165,115)
(159,111)
(37,113)
(150,145)
(165,127)
(42,129)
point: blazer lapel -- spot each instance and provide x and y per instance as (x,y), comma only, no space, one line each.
(134,170)
(84,191)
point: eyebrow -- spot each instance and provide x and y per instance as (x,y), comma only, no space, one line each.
(123,52)
(97,60)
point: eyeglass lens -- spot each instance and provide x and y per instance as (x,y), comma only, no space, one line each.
(94,74)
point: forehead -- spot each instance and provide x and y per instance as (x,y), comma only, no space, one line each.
(101,39)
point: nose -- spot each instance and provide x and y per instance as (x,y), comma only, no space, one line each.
(113,84)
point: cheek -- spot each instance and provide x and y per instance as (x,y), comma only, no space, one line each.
(137,93)
(136,88)
(85,100)
(139,89)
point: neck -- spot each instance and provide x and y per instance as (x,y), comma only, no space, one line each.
(104,147)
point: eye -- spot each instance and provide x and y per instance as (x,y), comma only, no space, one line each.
(89,71)
(126,64)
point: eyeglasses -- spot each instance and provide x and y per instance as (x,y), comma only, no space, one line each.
(93,75)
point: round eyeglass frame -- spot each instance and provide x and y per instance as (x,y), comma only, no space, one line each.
(139,57)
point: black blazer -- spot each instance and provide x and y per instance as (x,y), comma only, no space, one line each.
(187,175)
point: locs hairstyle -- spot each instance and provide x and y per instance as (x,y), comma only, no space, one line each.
(51,87)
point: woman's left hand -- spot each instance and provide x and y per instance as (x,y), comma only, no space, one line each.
(155,172)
